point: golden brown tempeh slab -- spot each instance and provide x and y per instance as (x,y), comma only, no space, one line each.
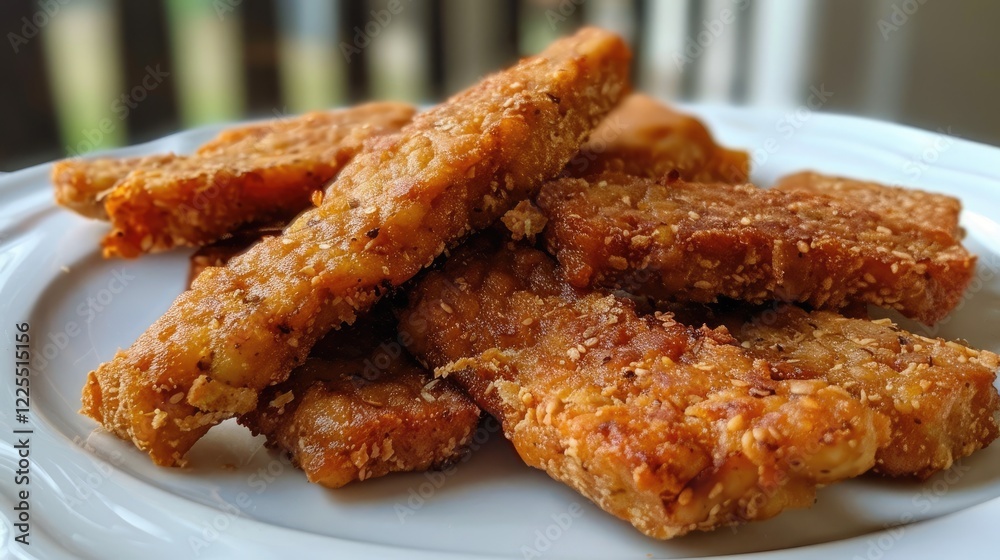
(646,138)
(669,427)
(82,184)
(395,207)
(257,172)
(931,210)
(939,395)
(199,199)
(361,408)
(696,242)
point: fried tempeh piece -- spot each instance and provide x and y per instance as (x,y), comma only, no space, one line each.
(392,210)
(669,427)
(264,169)
(360,408)
(195,200)
(646,138)
(695,242)
(922,208)
(939,395)
(82,184)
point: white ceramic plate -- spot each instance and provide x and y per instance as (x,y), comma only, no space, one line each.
(93,496)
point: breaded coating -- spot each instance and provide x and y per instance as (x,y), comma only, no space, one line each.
(197,199)
(393,209)
(646,138)
(360,408)
(82,184)
(219,252)
(922,208)
(697,242)
(247,173)
(669,427)
(939,395)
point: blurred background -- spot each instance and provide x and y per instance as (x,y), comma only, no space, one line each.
(85,75)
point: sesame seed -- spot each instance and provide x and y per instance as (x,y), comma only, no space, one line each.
(735,423)
(800,387)
(684,498)
(447,308)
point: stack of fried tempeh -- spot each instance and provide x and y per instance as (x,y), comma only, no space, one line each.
(692,418)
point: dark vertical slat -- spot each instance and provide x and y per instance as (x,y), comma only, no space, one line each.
(640,11)
(436,36)
(30,134)
(513,26)
(146,51)
(260,57)
(355,15)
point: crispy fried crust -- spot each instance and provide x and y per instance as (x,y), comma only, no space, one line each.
(668,427)
(194,200)
(396,206)
(81,184)
(938,395)
(360,408)
(695,242)
(219,252)
(644,137)
(259,171)
(931,210)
